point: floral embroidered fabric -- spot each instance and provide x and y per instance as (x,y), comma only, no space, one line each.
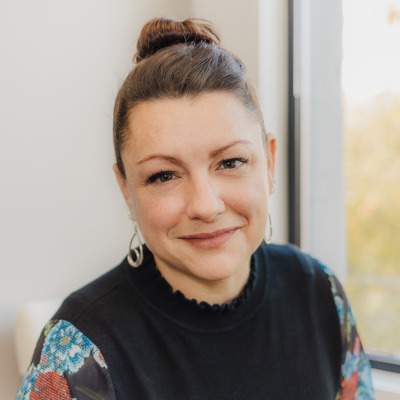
(356,380)
(70,367)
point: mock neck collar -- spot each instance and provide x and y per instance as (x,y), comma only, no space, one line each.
(158,294)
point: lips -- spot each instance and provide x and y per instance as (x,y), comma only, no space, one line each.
(210,240)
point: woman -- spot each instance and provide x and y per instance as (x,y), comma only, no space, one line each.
(203,310)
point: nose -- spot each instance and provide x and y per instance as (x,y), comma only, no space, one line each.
(204,200)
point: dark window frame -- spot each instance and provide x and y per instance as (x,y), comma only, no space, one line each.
(294,178)
(380,362)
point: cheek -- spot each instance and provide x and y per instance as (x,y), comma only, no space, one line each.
(257,210)
(248,198)
(156,214)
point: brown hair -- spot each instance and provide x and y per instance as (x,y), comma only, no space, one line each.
(176,59)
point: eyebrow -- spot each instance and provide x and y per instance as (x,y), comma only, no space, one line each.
(212,154)
(217,152)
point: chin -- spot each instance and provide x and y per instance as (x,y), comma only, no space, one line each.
(215,274)
(218,266)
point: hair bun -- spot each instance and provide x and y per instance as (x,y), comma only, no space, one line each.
(164,32)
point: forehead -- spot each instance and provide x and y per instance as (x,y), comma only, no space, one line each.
(190,122)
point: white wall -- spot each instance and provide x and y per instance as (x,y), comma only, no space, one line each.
(62,219)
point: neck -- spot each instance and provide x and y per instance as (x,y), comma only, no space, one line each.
(210,291)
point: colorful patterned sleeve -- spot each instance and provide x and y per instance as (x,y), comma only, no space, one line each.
(356,382)
(66,365)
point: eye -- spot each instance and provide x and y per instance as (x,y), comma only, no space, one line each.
(232,163)
(161,177)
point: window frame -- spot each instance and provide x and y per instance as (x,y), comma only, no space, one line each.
(294,149)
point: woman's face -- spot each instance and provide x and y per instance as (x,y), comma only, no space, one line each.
(197,183)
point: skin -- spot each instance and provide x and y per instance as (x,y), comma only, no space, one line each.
(205,214)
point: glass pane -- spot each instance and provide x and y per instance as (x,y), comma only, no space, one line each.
(371,98)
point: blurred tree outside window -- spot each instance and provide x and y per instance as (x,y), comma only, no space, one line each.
(371,101)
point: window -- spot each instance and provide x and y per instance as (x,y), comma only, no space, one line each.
(371,104)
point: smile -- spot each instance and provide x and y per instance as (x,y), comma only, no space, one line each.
(210,240)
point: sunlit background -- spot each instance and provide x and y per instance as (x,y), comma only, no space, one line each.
(371,98)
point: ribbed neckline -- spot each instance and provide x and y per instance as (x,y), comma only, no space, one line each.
(158,294)
(213,308)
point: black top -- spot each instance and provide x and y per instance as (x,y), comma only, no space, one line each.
(281,338)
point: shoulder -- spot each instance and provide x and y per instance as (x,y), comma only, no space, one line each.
(289,260)
(92,295)
(297,280)
(67,363)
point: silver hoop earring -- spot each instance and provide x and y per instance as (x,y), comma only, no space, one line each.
(268,239)
(138,253)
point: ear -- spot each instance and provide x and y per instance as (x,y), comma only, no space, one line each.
(122,185)
(271,151)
